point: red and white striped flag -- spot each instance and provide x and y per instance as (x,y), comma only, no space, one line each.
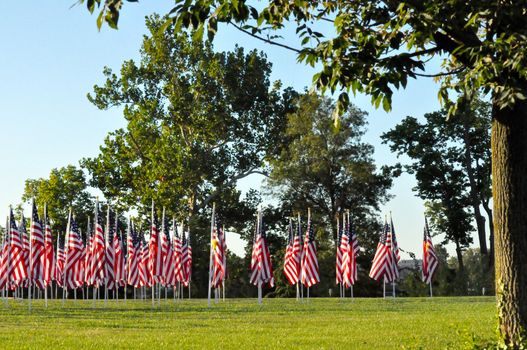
(17,269)
(74,265)
(179,270)
(169,259)
(383,261)
(110,250)
(187,259)
(4,258)
(293,254)
(341,247)
(49,253)
(430,260)
(350,249)
(132,256)
(309,270)
(261,266)
(218,253)
(395,251)
(38,250)
(98,251)
(120,266)
(22,228)
(155,254)
(145,278)
(87,254)
(60,262)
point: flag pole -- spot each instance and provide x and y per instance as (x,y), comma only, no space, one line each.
(210,257)
(430,289)
(224,261)
(30,253)
(309,222)
(64,282)
(337,246)
(153,279)
(301,259)
(384,287)
(4,243)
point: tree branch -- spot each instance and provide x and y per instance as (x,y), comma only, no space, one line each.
(268,41)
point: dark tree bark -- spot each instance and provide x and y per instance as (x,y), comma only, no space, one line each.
(509,176)
(474,195)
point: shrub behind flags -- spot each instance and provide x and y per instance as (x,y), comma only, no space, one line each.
(261,266)
(430,260)
(309,269)
(38,249)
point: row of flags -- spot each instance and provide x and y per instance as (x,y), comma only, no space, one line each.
(103,260)
(301,265)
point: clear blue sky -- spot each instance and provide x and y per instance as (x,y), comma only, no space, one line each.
(52,55)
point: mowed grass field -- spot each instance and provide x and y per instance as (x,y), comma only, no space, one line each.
(320,323)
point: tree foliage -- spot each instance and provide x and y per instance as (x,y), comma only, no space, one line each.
(197,122)
(65,188)
(451,163)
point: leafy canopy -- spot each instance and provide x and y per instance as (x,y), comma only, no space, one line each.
(374,47)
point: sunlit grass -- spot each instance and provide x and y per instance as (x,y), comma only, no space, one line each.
(400,323)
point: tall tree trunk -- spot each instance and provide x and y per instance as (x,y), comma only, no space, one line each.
(509,176)
(474,196)
(491,231)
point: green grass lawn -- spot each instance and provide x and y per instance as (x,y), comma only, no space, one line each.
(402,323)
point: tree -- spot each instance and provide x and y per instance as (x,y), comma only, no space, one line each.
(329,169)
(376,47)
(451,163)
(64,189)
(197,122)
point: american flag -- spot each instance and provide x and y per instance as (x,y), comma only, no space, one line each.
(38,250)
(187,259)
(261,266)
(97,254)
(22,228)
(430,260)
(74,265)
(309,269)
(4,259)
(383,261)
(155,256)
(395,251)
(111,228)
(350,249)
(178,256)
(169,254)
(341,247)
(293,254)
(17,269)
(219,252)
(87,254)
(60,261)
(133,254)
(49,253)
(120,265)
(145,278)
